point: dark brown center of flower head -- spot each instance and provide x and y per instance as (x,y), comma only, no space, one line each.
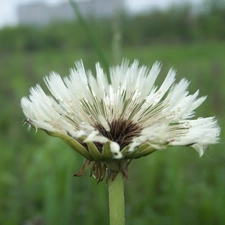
(121,131)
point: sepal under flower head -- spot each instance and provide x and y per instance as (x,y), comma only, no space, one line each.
(112,123)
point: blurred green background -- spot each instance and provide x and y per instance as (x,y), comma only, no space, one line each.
(173,186)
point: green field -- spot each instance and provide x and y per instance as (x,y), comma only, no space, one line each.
(173,186)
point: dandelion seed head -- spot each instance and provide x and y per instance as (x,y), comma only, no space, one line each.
(112,123)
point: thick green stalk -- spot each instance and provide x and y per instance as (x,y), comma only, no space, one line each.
(116,200)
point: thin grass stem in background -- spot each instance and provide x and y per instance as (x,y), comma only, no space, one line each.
(117,36)
(91,37)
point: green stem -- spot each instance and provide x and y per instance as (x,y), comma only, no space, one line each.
(116,200)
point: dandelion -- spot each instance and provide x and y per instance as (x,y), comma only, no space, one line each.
(113,120)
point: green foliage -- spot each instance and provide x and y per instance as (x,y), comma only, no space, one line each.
(177,24)
(61,36)
(172,186)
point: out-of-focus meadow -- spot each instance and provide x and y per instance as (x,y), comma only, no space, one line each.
(173,186)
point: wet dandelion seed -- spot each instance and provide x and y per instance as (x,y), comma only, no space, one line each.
(111,124)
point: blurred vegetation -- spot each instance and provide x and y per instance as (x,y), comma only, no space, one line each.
(175,25)
(173,186)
